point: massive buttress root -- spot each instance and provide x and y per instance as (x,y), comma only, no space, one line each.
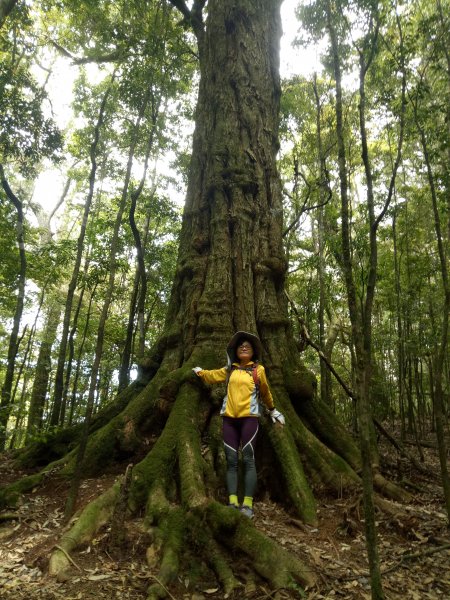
(176,482)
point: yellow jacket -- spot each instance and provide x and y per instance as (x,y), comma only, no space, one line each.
(242,398)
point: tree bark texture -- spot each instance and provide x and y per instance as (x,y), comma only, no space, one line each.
(231,265)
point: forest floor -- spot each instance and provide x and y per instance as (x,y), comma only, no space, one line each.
(414,547)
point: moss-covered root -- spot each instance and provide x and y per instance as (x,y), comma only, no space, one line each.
(190,461)
(296,485)
(54,444)
(121,435)
(269,559)
(214,556)
(295,482)
(94,516)
(333,434)
(171,534)
(179,444)
(390,489)
(322,464)
(10,494)
(323,422)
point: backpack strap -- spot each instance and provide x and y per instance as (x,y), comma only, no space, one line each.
(251,370)
(255,376)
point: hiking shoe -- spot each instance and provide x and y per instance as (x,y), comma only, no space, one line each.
(233,506)
(247,511)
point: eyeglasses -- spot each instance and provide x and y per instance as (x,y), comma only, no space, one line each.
(245,347)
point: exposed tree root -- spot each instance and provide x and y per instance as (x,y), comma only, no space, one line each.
(117,534)
(181,512)
(290,464)
(10,494)
(8,516)
(268,558)
(95,515)
(335,437)
(115,440)
(323,464)
(55,444)
(171,543)
(215,532)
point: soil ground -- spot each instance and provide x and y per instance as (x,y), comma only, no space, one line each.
(414,547)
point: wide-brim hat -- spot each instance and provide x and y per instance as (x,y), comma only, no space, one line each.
(244,335)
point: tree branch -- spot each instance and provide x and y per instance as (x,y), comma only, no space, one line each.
(113,56)
(182,7)
(62,198)
(308,341)
(193,17)
(14,199)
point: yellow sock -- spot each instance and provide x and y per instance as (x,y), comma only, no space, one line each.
(233,499)
(248,501)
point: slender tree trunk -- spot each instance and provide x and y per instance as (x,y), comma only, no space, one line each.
(42,372)
(18,435)
(325,379)
(443,22)
(141,271)
(59,377)
(400,338)
(19,405)
(439,359)
(6,400)
(79,358)
(22,365)
(124,370)
(94,375)
(334,329)
(360,319)
(71,344)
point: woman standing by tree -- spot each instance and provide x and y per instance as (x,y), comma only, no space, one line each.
(246,385)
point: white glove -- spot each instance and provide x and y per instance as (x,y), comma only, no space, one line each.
(275,415)
(197,370)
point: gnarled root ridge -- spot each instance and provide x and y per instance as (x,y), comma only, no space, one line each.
(225,540)
(96,514)
(215,535)
(177,482)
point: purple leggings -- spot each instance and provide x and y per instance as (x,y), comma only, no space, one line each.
(240,432)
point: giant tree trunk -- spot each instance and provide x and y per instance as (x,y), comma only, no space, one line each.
(230,275)
(231,264)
